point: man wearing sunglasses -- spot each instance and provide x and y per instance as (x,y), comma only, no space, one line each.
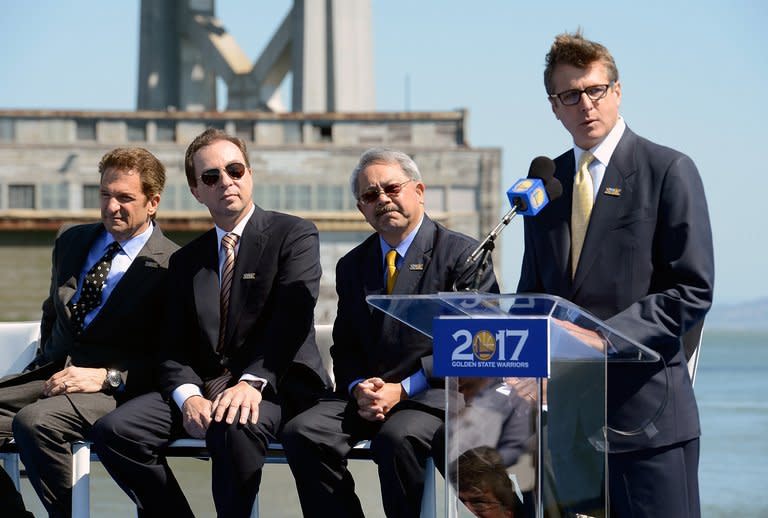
(97,329)
(239,353)
(385,390)
(636,251)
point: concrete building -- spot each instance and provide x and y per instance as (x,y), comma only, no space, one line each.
(301,164)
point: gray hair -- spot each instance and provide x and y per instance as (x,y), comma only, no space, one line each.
(380,155)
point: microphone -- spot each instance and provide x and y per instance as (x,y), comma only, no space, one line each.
(527,196)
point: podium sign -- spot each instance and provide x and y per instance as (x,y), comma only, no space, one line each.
(491,347)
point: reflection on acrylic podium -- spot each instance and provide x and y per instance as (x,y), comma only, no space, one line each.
(525,428)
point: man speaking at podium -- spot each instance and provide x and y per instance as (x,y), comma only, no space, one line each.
(385,390)
(629,241)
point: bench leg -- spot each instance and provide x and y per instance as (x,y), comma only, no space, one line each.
(81,480)
(428,497)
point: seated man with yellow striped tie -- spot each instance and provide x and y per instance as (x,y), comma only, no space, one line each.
(239,352)
(385,389)
(106,299)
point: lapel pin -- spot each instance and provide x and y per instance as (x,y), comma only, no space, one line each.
(249,276)
(151,264)
(419,267)
(612,191)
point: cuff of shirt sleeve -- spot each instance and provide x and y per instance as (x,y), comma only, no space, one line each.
(415,383)
(183,392)
(258,383)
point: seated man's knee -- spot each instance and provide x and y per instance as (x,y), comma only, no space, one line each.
(28,422)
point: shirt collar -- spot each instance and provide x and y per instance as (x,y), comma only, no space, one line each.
(238,230)
(604,150)
(402,248)
(132,246)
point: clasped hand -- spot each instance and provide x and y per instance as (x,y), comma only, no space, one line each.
(198,412)
(375,398)
(75,379)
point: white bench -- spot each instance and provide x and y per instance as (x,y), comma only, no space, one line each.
(18,342)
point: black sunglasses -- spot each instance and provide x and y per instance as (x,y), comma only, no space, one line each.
(235,170)
(391,190)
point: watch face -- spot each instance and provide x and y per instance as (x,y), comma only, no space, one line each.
(113,378)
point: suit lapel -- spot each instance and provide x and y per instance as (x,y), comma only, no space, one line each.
(619,170)
(416,260)
(560,221)
(373,270)
(125,290)
(205,286)
(73,263)
(251,248)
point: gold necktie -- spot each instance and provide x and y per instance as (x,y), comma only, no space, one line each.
(583,199)
(391,270)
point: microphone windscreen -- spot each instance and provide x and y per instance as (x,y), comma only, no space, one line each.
(554,189)
(542,167)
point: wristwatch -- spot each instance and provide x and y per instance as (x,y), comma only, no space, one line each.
(113,380)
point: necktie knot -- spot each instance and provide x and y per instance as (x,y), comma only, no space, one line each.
(391,259)
(586,159)
(229,241)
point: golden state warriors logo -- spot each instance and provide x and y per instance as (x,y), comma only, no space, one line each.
(537,198)
(522,185)
(483,345)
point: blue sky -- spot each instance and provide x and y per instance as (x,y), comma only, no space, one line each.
(694,77)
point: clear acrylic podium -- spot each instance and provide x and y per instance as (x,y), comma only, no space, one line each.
(516,444)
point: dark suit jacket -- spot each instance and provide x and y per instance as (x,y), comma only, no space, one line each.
(124,332)
(270,328)
(646,268)
(367,343)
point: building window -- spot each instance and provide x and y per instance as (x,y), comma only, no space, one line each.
(91,196)
(267,196)
(166,131)
(54,196)
(332,197)
(297,197)
(136,130)
(86,129)
(323,132)
(6,130)
(21,196)
(244,130)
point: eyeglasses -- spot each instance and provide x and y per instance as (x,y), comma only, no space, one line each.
(235,170)
(480,505)
(572,97)
(392,191)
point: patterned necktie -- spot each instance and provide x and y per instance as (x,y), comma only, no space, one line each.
(94,282)
(583,199)
(391,270)
(228,242)
(216,386)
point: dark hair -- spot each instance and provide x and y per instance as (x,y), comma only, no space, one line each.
(151,170)
(575,50)
(482,468)
(206,138)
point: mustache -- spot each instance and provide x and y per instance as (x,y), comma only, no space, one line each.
(387,208)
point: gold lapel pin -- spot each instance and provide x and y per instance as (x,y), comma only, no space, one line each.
(612,191)
(419,267)
(249,276)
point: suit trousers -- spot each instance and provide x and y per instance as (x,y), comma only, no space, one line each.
(44,429)
(656,482)
(318,441)
(130,441)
